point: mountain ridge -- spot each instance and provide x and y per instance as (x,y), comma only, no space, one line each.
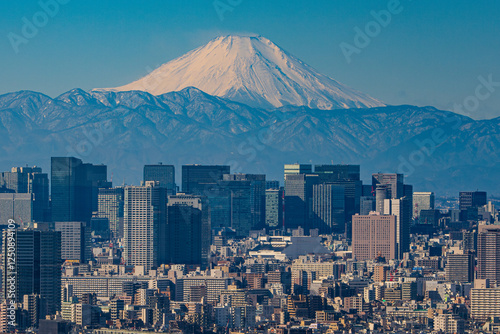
(126,130)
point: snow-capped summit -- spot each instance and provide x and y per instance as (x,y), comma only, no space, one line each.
(254,71)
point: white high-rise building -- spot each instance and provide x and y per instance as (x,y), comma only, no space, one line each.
(401,209)
(144,223)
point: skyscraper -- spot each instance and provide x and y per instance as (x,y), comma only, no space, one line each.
(38,266)
(298,199)
(488,255)
(257,195)
(332,173)
(472,199)
(74,188)
(30,180)
(164,174)
(110,206)
(366,205)
(17,206)
(393,180)
(294,169)
(184,232)
(422,201)
(75,241)
(374,235)
(402,210)
(328,208)
(239,193)
(274,208)
(145,225)
(381,194)
(460,267)
(197,179)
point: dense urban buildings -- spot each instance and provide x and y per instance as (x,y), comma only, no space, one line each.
(234,253)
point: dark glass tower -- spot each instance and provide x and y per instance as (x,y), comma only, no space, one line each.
(198,179)
(184,231)
(38,266)
(298,199)
(164,174)
(74,188)
(472,199)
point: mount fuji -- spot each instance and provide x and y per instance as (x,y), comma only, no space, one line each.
(253,71)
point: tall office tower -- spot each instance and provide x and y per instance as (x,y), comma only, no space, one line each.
(74,188)
(460,267)
(366,205)
(274,208)
(240,205)
(272,184)
(472,199)
(422,201)
(96,176)
(298,199)
(198,179)
(347,176)
(30,180)
(75,241)
(408,194)
(164,174)
(185,228)
(395,182)
(16,206)
(328,207)
(144,225)
(257,195)
(381,194)
(37,269)
(488,255)
(374,235)
(332,173)
(219,202)
(294,169)
(402,210)
(110,206)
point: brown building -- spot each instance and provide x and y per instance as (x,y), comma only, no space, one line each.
(380,273)
(374,235)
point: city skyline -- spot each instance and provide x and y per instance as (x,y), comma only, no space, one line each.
(236,166)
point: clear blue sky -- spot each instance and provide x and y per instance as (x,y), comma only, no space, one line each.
(431,53)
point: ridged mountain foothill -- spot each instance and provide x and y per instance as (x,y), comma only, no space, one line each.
(245,102)
(126,130)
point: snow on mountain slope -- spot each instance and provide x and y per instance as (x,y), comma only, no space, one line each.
(254,71)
